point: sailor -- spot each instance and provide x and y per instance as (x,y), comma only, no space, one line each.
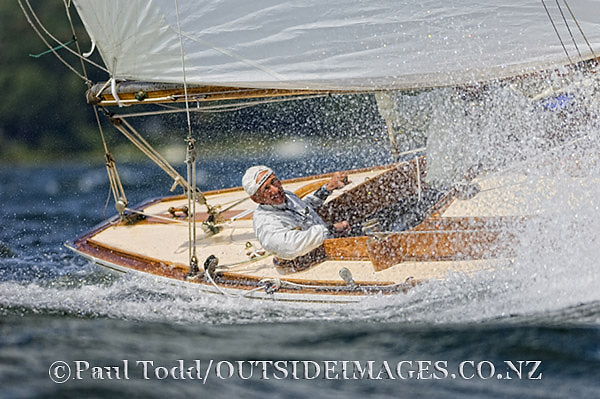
(288,226)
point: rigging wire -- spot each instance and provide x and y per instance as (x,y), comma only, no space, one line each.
(50,47)
(579,27)
(137,139)
(218,108)
(115,182)
(46,42)
(568,29)
(557,34)
(116,187)
(190,161)
(89,84)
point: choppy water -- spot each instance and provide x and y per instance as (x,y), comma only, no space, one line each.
(56,307)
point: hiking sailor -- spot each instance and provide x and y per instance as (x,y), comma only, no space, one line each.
(286,225)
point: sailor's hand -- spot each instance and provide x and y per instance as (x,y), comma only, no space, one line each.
(338,180)
(341,227)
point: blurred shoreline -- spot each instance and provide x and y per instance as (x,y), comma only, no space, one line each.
(229,148)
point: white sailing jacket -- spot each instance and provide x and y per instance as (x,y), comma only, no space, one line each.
(291,229)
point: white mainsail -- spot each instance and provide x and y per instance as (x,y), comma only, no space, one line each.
(337,44)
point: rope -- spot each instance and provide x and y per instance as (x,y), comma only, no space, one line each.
(210,279)
(418,178)
(68,13)
(414,151)
(276,284)
(244,262)
(45,41)
(106,84)
(155,216)
(113,91)
(191,175)
(86,55)
(265,284)
(147,149)
(53,49)
(114,180)
(231,204)
(241,215)
(115,184)
(298,285)
(116,187)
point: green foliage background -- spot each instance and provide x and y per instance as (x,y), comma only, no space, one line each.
(43,113)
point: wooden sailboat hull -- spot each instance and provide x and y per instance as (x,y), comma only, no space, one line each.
(381,262)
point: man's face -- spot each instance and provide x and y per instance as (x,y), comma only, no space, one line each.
(271,192)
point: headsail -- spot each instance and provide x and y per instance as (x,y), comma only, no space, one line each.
(339,44)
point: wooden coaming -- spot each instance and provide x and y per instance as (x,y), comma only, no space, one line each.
(433,240)
(437,245)
(375,194)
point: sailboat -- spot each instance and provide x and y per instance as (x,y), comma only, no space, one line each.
(434,211)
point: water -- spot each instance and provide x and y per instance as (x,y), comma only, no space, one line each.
(543,310)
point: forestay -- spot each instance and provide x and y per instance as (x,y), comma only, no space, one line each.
(336,44)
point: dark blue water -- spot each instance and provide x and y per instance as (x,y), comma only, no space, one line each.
(452,339)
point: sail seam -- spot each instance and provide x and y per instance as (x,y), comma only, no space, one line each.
(238,57)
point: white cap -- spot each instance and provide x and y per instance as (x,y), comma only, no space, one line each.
(249,181)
